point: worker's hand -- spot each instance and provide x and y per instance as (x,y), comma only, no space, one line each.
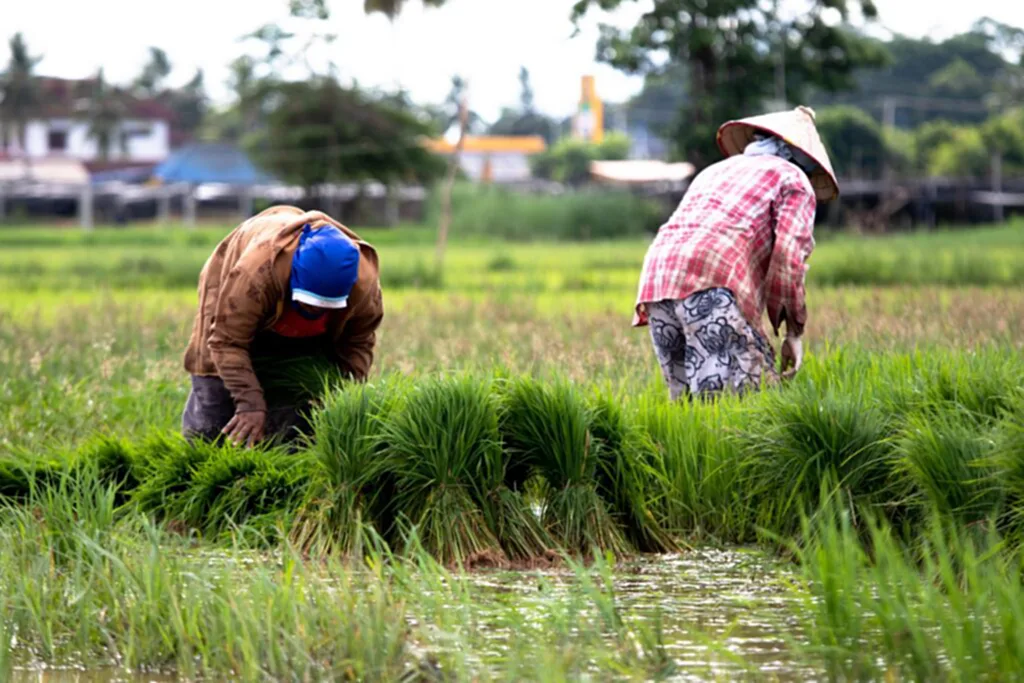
(792,356)
(246,428)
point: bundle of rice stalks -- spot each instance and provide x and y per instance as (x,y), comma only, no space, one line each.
(22,475)
(296,380)
(167,464)
(803,444)
(1008,465)
(238,487)
(350,487)
(546,429)
(444,450)
(112,461)
(631,475)
(701,461)
(946,461)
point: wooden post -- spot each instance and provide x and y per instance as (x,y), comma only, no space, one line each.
(997,185)
(391,212)
(85,207)
(3,202)
(190,206)
(245,202)
(446,195)
(163,204)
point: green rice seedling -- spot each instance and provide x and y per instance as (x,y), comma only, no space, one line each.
(444,450)
(981,386)
(1008,467)
(350,487)
(236,486)
(801,439)
(112,461)
(296,380)
(946,607)
(169,464)
(546,428)
(631,475)
(947,462)
(705,493)
(21,475)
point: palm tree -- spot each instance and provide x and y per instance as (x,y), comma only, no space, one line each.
(105,114)
(20,92)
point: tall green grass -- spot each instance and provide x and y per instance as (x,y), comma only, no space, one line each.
(947,606)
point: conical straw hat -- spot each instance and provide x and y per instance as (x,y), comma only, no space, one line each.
(797,128)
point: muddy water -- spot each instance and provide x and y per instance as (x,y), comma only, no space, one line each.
(722,612)
(725,614)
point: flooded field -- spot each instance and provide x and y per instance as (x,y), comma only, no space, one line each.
(723,614)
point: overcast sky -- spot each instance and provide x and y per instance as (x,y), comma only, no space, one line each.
(486,40)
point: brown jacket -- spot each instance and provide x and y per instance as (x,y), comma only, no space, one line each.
(243,289)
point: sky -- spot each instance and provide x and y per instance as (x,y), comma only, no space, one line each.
(486,41)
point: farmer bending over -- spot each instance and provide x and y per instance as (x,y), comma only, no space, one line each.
(283,283)
(737,244)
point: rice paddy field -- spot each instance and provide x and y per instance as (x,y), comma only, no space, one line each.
(511,496)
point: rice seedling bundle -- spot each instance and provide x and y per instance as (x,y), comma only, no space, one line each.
(237,486)
(350,487)
(947,462)
(444,449)
(546,428)
(701,461)
(802,442)
(631,475)
(296,379)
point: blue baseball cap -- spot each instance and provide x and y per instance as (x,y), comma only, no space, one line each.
(325,267)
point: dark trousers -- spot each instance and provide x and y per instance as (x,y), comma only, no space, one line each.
(210,407)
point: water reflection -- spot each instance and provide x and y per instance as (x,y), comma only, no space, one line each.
(718,610)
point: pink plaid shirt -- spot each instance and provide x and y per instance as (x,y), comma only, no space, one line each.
(747,224)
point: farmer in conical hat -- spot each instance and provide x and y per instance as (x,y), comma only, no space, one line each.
(283,283)
(737,244)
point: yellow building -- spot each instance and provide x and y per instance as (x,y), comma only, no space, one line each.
(494,158)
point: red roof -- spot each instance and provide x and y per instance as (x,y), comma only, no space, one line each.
(65,98)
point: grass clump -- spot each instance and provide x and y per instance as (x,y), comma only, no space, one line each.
(546,428)
(947,460)
(803,441)
(445,452)
(350,486)
(631,475)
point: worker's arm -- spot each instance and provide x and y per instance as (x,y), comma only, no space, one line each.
(246,298)
(794,242)
(354,343)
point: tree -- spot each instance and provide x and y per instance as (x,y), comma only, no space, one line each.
(729,49)
(392,8)
(20,93)
(318,131)
(189,104)
(151,81)
(525,120)
(105,115)
(569,160)
(854,140)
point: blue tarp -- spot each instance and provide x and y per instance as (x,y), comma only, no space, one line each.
(210,163)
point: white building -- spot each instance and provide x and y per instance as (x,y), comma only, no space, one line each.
(62,129)
(135,140)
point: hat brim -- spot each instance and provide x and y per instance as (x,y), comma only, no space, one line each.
(311,299)
(734,136)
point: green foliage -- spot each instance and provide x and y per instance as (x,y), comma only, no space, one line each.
(854,141)
(319,132)
(729,49)
(568,161)
(547,431)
